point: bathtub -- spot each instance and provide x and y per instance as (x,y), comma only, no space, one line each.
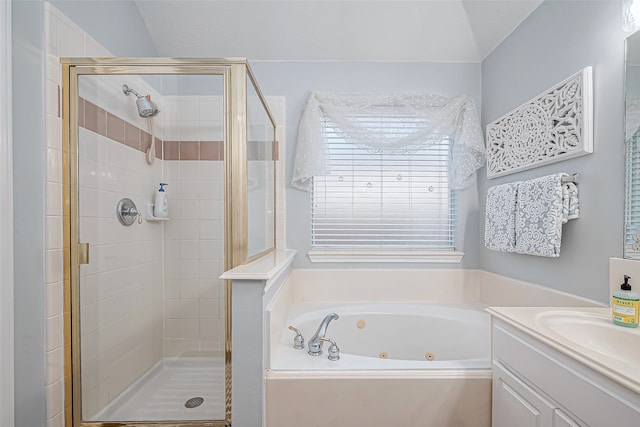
(401,364)
(390,336)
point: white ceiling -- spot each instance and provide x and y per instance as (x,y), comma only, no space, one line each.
(332,30)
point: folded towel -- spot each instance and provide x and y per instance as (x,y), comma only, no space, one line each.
(500,217)
(544,204)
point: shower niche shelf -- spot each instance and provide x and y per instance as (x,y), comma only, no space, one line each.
(149,214)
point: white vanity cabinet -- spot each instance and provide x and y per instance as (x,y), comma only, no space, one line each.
(536,385)
(517,404)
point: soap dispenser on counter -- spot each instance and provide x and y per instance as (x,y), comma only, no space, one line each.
(625,305)
(161,205)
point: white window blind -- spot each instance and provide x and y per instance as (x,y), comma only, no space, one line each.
(632,188)
(375,200)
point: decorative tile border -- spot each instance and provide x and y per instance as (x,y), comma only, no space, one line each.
(102,122)
(193,150)
(554,126)
(262,150)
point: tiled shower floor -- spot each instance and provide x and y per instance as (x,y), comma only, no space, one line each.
(161,394)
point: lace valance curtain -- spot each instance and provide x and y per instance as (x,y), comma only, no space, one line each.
(418,120)
(632,117)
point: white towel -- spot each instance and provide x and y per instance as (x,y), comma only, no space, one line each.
(544,204)
(500,217)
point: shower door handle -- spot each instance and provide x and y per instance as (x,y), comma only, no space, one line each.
(83,253)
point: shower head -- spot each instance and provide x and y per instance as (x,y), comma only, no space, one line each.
(146,107)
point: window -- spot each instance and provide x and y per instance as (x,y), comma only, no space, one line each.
(383,171)
(632,197)
(384,201)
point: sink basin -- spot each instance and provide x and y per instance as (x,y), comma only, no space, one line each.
(593,332)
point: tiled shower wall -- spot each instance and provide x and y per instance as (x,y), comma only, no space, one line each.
(194,239)
(121,288)
(65,39)
(194,236)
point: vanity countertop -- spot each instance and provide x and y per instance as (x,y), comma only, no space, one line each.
(585,334)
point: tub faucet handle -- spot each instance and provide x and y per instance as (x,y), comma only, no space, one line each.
(334,351)
(298,341)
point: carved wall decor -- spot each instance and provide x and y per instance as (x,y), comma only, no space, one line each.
(556,125)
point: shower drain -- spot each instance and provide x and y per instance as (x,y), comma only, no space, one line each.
(194,402)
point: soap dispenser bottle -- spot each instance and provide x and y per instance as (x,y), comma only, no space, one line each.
(161,206)
(625,305)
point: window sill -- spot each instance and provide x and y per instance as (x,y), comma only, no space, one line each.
(363,255)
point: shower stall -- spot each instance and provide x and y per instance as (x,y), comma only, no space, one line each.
(146,316)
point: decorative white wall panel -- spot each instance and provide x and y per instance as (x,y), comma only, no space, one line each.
(554,126)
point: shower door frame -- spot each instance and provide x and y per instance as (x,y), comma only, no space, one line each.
(236,73)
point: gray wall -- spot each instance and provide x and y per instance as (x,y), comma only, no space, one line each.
(28,210)
(116,24)
(296,80)
(558,39)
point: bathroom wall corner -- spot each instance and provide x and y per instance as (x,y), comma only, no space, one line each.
(28,54)
(6,224)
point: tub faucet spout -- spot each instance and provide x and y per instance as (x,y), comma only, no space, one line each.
(315,343)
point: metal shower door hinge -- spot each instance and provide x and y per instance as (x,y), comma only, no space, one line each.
(83,253)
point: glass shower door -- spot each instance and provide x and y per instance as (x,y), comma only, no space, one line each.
(262,154)
(151,306)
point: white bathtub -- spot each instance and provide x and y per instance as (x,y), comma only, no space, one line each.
(405,389)
(457,336)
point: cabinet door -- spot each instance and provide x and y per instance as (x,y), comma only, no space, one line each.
(561,419)
(516,404)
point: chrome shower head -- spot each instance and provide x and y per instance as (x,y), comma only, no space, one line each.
(146,107)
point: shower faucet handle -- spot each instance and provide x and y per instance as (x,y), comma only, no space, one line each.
(298,341)
(127,212)
(135,213)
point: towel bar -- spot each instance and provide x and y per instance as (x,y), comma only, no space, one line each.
(571,178)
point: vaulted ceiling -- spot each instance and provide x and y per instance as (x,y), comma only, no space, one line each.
(333,30)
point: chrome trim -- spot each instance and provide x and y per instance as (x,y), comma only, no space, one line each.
(127,212)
